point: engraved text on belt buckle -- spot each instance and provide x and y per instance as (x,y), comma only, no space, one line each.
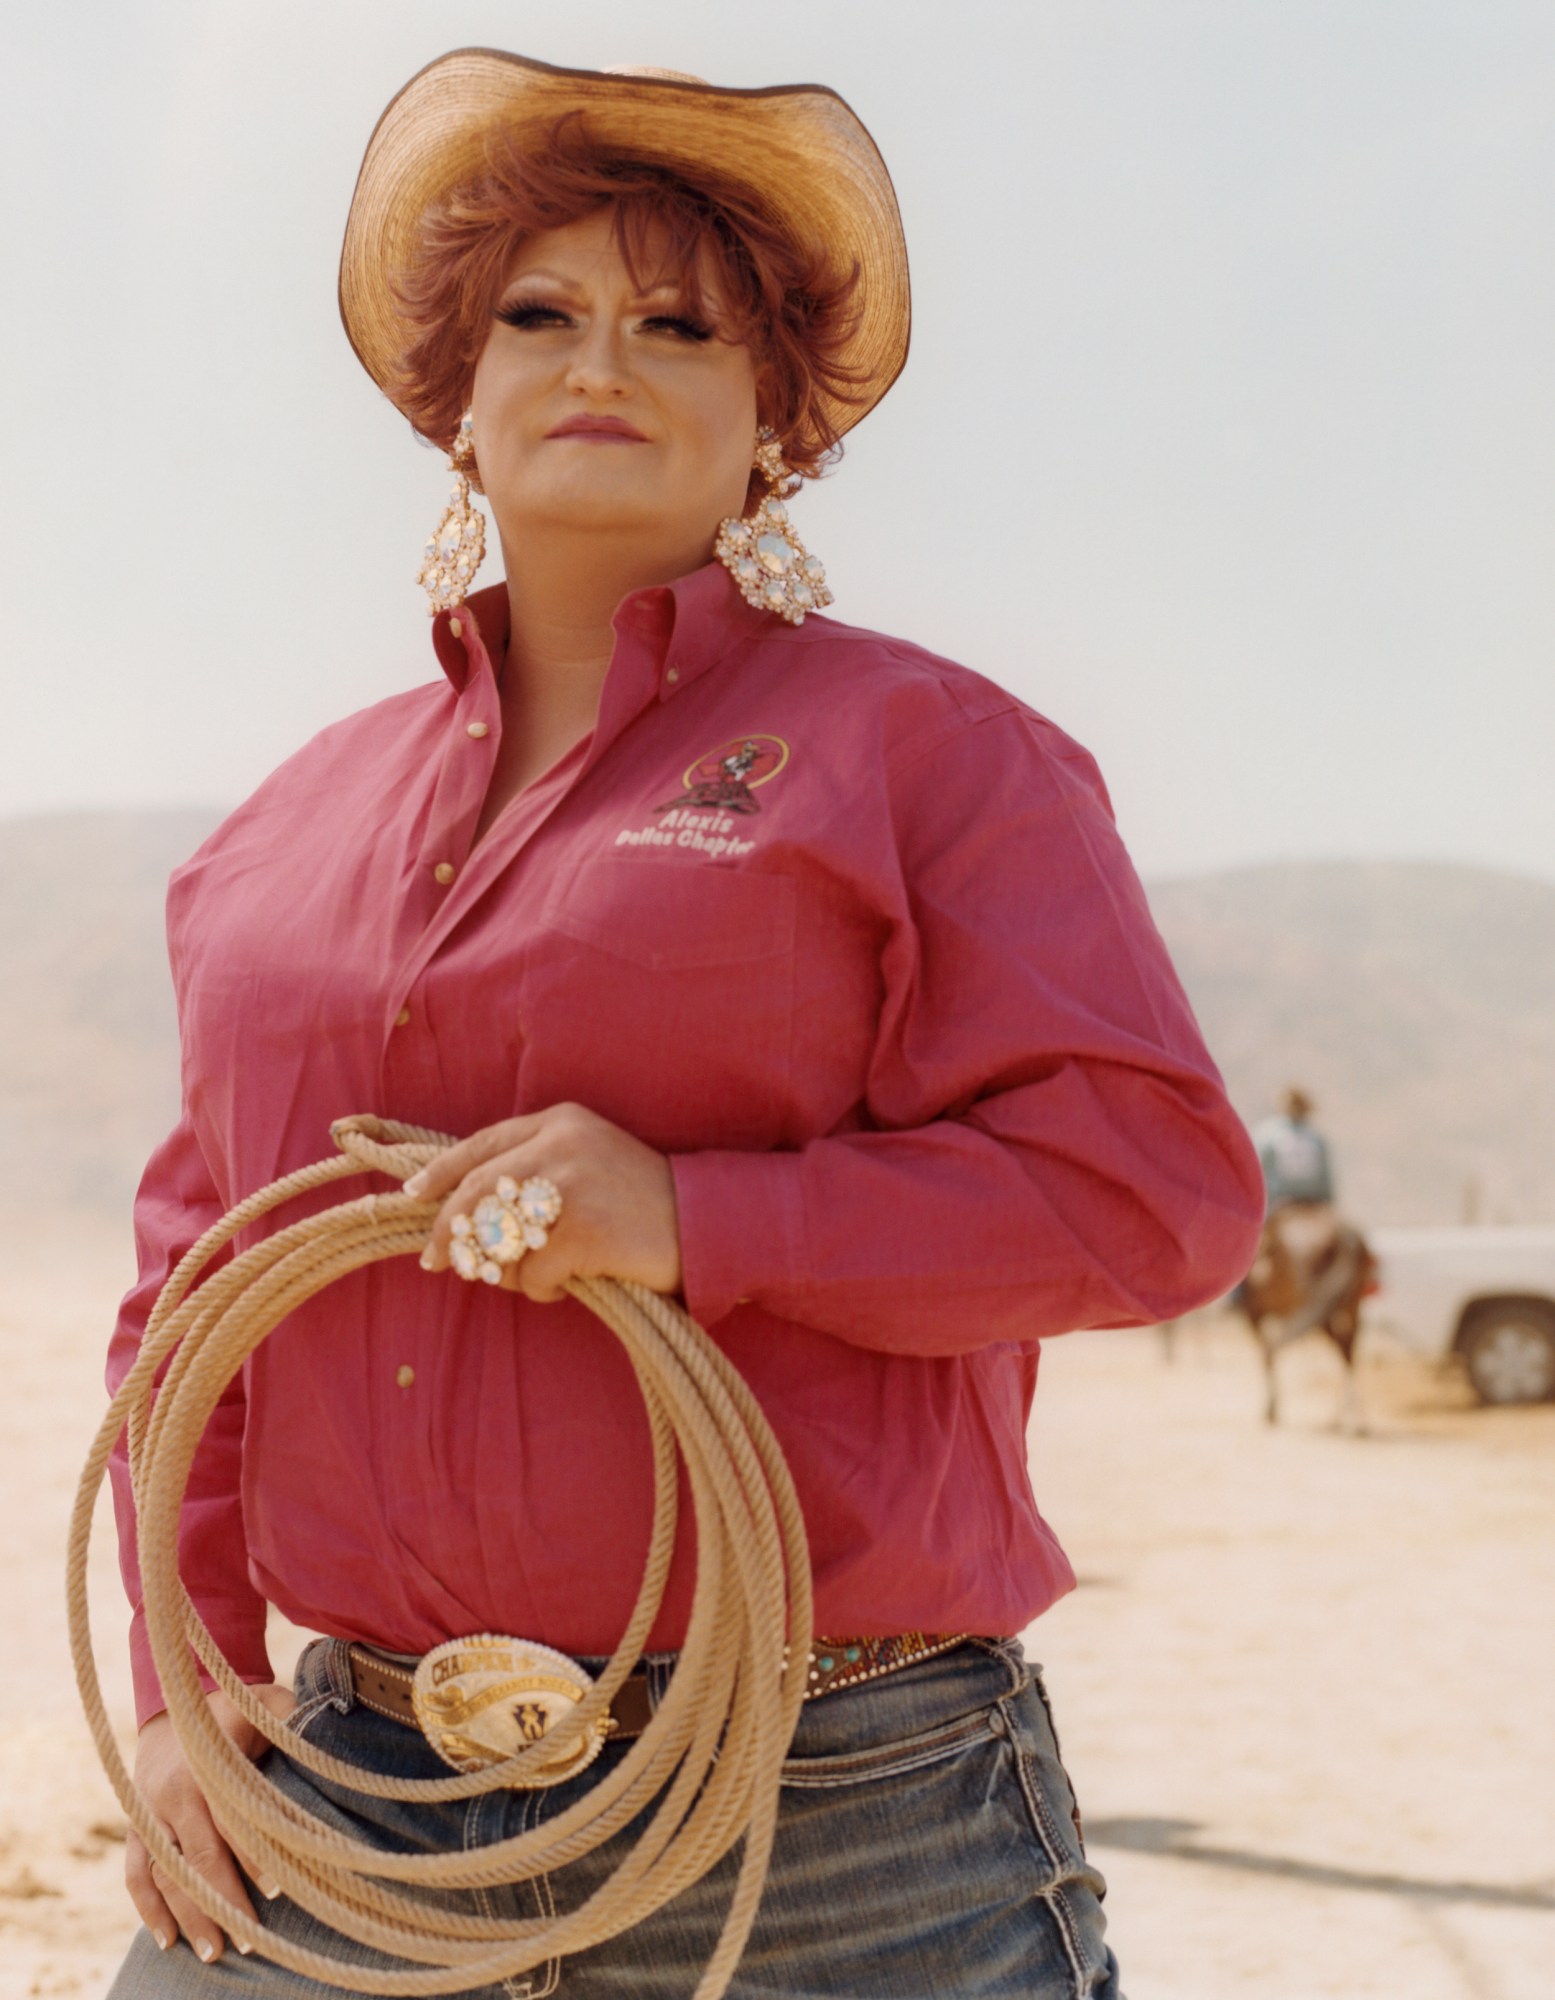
(481,1700)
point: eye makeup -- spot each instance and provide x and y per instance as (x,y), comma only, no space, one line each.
(532,312)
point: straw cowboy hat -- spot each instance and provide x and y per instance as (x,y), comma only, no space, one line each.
(798,147)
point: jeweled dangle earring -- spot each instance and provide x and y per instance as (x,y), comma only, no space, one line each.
(764,555)
(454,553)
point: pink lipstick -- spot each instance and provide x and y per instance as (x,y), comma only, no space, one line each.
(587,425)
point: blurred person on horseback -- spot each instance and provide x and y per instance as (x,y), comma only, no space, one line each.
(1297,1165)
(1313,1267)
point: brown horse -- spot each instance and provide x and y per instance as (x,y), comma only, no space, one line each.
(1311,1273)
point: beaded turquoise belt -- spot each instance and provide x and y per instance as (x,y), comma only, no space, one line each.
(843,1663)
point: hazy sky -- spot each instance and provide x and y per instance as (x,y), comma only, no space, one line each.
(1227,440)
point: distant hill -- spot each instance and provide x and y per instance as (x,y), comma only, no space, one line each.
(1415,1001)
(88,1045)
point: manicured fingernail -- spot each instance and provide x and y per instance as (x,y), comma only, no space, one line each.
(163,1940)
(245,1949)
(416,1184)
(428,1260)
(270,1890)
(206,1950)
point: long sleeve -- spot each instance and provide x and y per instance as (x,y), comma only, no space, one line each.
(828,921)
(176,1203)
(1045,1143)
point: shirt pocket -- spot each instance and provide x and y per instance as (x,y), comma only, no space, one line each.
(667,917)
(662,996)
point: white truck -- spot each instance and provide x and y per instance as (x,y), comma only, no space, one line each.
(1487,1294)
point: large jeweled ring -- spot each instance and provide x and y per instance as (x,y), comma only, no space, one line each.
(505,1224)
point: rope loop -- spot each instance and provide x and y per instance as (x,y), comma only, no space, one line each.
(707,1767)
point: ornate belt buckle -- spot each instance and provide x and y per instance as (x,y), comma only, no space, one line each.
(481,1700)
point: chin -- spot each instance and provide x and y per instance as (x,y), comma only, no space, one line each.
(594,509)
(604,519)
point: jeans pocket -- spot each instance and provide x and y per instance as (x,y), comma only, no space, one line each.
(891,1758)
(1039,1688)
(306,1713)
(1050,1796)
(317,1685)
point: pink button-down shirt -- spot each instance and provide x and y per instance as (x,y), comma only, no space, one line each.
(840,927)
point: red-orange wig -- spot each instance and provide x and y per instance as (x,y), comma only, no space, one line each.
(785,301)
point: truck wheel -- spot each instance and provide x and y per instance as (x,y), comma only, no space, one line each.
(1510,1353)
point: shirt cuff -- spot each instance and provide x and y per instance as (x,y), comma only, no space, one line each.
(742,1232)
(232,1625)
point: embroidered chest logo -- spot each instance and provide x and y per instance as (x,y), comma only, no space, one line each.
(716,791)
(726,779)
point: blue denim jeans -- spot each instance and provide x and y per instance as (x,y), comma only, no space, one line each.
(927,1846)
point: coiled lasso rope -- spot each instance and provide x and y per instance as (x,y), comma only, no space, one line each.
(713,1749)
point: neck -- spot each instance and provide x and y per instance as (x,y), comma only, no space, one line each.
(563,592)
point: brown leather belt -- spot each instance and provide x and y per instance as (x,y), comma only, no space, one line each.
(384,1685)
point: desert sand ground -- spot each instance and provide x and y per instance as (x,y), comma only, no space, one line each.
(1304,1689)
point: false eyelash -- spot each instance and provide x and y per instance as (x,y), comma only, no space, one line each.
(526,312)
(692,328)
(532,312)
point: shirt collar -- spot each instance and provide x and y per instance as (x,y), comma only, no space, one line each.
(472,635)
(688,625)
